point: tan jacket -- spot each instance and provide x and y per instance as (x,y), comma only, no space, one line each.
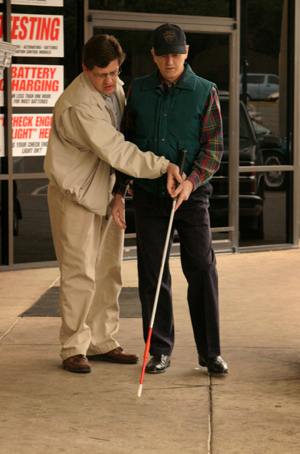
(84,145)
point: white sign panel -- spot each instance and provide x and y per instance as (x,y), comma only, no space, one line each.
(36,35)
(37,2)
(30,134)
(35,85)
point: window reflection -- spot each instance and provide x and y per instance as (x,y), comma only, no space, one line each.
(273,221)
(33,242)
(30,164)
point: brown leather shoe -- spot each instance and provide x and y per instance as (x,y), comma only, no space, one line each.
(117,355)
(78,364)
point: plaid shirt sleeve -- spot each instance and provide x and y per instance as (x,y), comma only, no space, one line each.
(211,139)
(127,128)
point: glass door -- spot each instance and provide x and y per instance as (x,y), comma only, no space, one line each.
(210,40)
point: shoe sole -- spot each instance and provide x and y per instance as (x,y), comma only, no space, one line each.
(213,371)
(77,371)
(134,361)
(203,364)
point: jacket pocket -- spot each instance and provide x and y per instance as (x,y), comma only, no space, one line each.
(85,185)
(192,146)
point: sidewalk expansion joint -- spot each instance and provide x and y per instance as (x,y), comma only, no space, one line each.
(10,328)
(177,387)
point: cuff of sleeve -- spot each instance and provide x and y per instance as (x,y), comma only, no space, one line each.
(164,166)
(119,193)
(194,182)
(120,189)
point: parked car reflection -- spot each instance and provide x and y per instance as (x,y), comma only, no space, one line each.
(274,97)
(260,86)
(254,114)
(273,149)
(251,196)
(251,184)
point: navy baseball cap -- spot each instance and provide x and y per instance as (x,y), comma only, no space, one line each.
(169,39)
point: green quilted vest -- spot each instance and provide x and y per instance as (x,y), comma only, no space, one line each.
(168,123)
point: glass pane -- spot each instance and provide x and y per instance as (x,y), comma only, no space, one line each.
(251,184)
(30,164)
(266,223)
(266,93)
(33,238)
(193,8)
(4,220)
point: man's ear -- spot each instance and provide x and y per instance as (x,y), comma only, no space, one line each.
(187,51)
(84,68)
(153,55)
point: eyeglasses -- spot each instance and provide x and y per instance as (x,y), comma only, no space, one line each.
(104,76)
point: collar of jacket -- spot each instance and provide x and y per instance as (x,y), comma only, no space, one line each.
(187,81)
(87,84)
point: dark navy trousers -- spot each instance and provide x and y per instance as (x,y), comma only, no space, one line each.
(198,262)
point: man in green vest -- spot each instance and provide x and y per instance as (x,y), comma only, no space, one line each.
(167,111)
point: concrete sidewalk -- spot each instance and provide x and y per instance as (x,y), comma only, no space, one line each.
(255,409)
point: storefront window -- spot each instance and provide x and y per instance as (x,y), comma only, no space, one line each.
(32,236)
(264,73)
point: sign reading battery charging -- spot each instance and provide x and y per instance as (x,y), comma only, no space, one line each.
(36,35)
(35,85)
(30,134)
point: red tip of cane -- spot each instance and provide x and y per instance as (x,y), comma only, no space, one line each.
(146,353)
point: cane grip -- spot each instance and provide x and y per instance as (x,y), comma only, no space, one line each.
(181,160)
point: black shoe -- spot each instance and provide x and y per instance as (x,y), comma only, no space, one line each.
(158,364)
(215,365)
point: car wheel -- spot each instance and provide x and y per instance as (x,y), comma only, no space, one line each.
(275,180)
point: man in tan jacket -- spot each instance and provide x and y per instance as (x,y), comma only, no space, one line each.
(85,146)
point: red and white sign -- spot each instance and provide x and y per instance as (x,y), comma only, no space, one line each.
(37,2)
(35,85)
(30,134)
(36,35)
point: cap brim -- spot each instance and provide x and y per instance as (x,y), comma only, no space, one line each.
(166,50)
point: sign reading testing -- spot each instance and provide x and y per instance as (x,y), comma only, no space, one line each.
(35,85)
(36,35)
(30,134)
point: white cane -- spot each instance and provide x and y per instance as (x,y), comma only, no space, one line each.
(147,347)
